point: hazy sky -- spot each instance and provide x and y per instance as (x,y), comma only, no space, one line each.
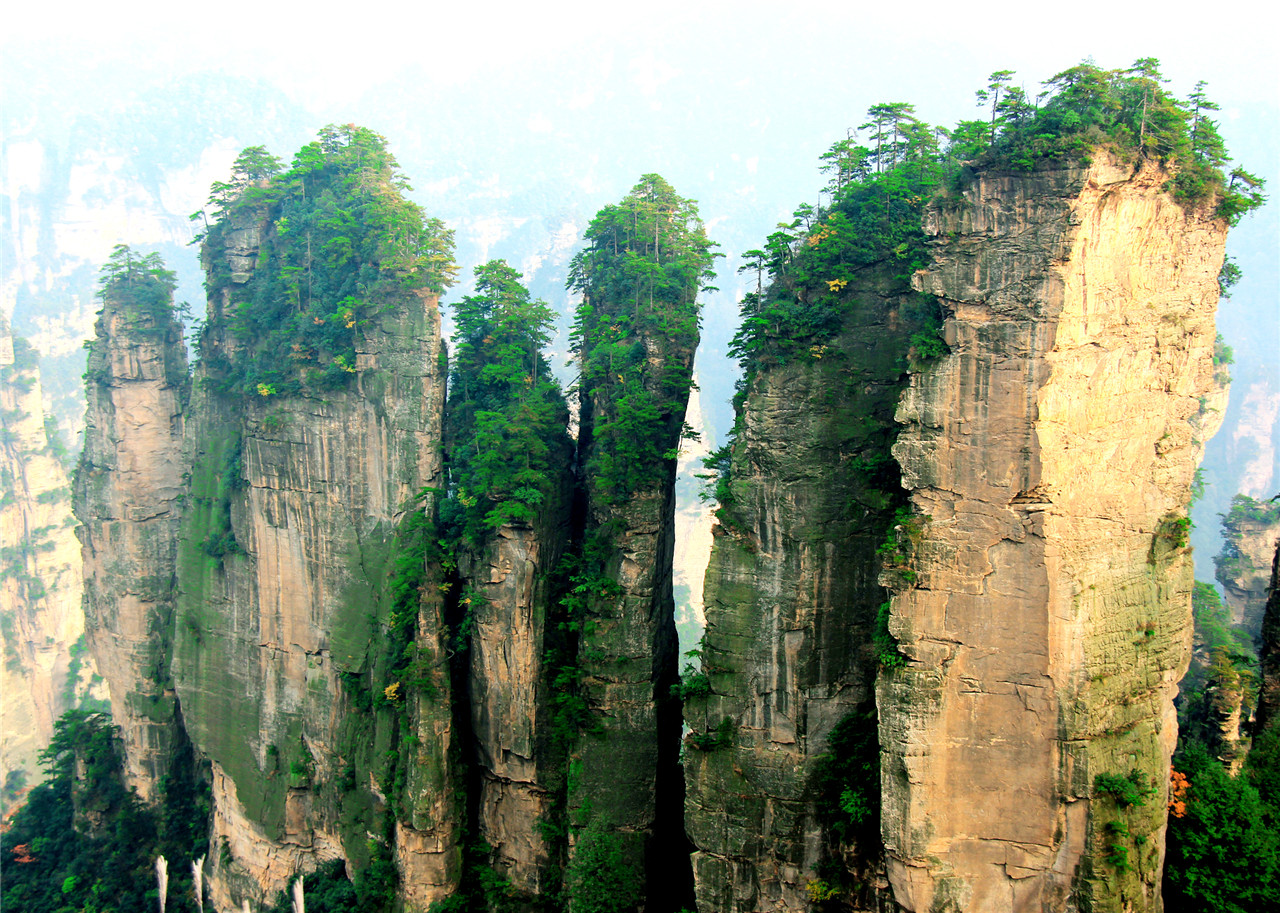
(326,51)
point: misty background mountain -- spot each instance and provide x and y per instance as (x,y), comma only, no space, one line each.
(515,130)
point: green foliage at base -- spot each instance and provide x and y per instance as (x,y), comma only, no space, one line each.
(83,841)
(845,779)
(1223,670)
(599,879)
(480,887)
(1224,851)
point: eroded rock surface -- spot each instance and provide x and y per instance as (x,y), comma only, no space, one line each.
(791,601)
(287,556)
(1051,455)
(129,491)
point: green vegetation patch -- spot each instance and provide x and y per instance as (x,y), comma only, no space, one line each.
(339,246)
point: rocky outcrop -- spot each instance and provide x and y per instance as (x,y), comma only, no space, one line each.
(1049,459)
(1250,532)
(512,626)
(129,490)
(40,586)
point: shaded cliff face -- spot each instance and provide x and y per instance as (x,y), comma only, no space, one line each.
(1269,652)
(1050,456)
(129,489)
(285,560)
(636,335)
(40,583)
(791,600)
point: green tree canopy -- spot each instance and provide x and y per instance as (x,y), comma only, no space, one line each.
(138,284)
(506,414)
(646,260)
(341,244)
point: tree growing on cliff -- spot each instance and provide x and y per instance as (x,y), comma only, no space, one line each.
(138,284)
(506,416)
(340,244)
(646,260)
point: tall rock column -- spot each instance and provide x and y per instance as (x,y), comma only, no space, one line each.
(636,336)
(787,724)
(129,490)
(311,644)
(1250,532)
(1047,616)
(510,469)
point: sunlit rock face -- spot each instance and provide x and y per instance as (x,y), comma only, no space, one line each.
(1039,596)
(286,556)
(1052,453)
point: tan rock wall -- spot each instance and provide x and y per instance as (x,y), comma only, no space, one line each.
(510,697)
(129,490)
(280,644)
(1052,453)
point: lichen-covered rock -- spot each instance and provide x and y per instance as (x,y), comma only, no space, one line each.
(129,490)
(286,558)
(1050,456)
(302,510)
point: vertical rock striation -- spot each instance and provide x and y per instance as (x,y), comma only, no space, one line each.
(791,600)
(286,556)
(40,582)
(129,489)
(310,643)
(1050,456)
(510,697)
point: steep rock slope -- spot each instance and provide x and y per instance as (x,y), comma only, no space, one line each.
(509,683)
(129,489)
(1050,457)
(40,583)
